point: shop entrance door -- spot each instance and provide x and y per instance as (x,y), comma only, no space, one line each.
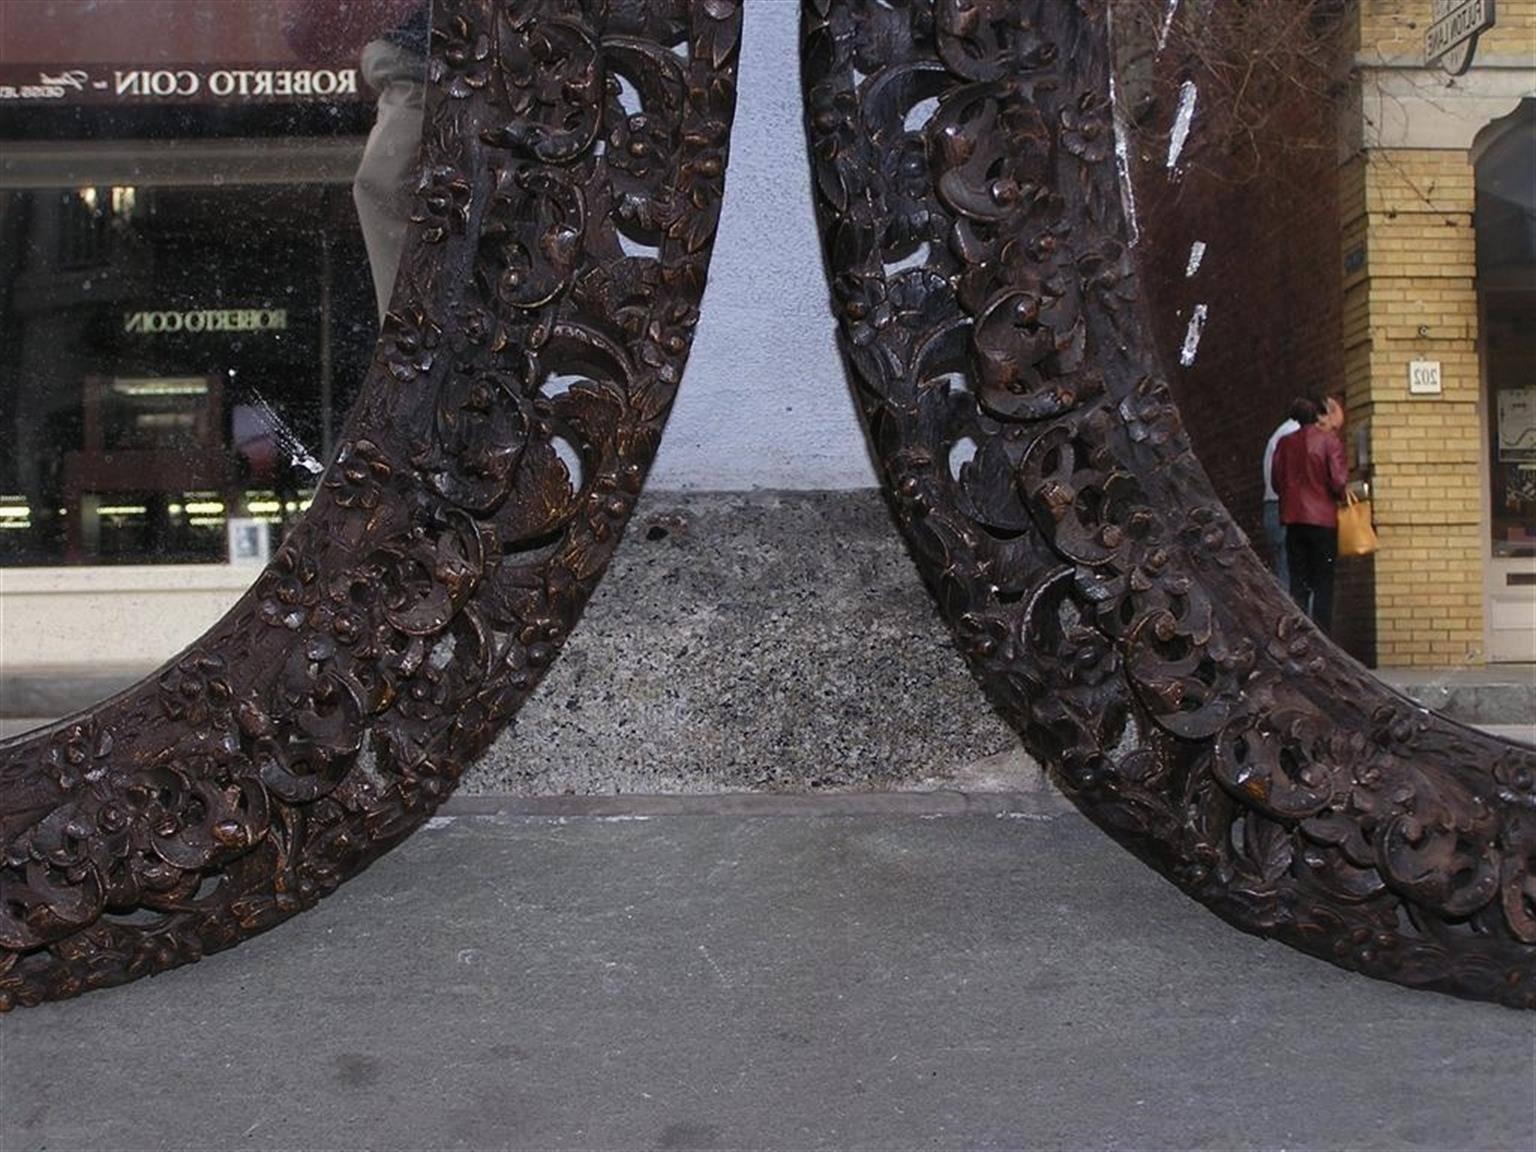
(1506,277)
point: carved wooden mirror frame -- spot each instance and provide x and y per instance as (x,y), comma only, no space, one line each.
(1101,592)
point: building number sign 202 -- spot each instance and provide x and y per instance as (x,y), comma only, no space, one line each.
(1424,378)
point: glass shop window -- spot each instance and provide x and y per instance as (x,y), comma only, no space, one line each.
(186,306)
(1506,273)
(162,373)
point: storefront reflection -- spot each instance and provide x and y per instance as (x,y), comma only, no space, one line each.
(182,319)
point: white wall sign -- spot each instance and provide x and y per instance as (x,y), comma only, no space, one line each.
(1453,31)
(1424,378)
(1517,425)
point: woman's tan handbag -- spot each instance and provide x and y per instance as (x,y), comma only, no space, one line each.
(1356,536)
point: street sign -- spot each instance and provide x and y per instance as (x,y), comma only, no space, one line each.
(1453,32)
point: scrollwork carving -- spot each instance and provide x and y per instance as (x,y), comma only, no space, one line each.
(1104,597)
(453,541)
(1031,450)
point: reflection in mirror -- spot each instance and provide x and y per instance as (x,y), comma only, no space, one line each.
(190,191)
(1227,131)
(1323,221)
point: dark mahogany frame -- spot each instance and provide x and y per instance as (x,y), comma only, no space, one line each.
(1027,442)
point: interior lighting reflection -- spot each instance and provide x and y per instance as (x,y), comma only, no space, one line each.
(160,386)
(165,420)
(121,510)
(204,508)
(15,511)
(206,521)
(263,507)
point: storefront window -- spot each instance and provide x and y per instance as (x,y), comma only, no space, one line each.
(186,308)
(163,374)
(1506,269)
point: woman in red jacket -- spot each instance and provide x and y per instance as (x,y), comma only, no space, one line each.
(1310,475)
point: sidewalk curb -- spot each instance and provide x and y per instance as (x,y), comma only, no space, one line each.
(1015,805)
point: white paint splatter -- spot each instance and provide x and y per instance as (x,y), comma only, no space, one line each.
(436,822)
(287,439)
(1188,93)
(1123,168)
(1168,15)
(1192,336)
(719,972)
(1196,255)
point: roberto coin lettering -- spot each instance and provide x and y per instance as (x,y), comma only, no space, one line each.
(206,320)
(234,83)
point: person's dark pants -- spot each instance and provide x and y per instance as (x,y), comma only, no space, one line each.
(1311,550)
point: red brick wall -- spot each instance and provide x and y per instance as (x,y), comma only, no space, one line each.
(1272,281)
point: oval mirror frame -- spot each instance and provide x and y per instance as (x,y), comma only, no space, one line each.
(1102,593)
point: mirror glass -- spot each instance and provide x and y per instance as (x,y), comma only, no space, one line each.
(1331,222)
(201,208)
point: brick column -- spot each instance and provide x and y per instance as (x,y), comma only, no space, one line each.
(1412,298)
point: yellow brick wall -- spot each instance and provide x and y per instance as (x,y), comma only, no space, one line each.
(1395,28)
(1412,212)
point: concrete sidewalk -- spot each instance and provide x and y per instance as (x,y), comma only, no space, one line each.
(1499,694)
(756,972)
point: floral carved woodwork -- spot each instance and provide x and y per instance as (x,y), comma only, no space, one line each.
(967,188)
(963,154)
(543,313)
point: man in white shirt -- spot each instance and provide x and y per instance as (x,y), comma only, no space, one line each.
(1303,411)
